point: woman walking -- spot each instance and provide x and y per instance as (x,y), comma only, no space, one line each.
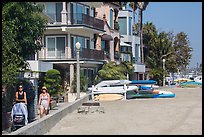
(44,101)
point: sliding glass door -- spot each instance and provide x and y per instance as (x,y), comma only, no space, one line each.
(56,46)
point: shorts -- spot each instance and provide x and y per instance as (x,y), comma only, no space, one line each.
(44,104)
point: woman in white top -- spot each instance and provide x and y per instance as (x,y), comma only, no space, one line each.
(44,101)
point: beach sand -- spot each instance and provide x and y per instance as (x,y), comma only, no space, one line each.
(181,115)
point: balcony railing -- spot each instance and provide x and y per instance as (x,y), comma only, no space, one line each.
(80,18)
(76,19)
(89,54)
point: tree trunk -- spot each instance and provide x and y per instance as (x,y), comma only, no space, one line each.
(141,35)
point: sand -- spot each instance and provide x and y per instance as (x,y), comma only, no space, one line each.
(181,115)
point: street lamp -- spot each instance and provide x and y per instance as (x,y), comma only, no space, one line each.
(78,45)
(164,72)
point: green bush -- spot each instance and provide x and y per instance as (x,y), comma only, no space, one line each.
(83,83)
(53,82)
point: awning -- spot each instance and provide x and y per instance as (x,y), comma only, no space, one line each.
(106,37)
(125,44)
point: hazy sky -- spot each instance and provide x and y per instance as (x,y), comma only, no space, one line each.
(178,17)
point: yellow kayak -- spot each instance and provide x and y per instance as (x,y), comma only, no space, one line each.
(108,97)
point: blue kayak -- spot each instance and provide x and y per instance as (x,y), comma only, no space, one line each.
(143,82)
(165,95)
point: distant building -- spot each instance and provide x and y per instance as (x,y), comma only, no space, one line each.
(130,44)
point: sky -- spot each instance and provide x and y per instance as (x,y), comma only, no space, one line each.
(179,17)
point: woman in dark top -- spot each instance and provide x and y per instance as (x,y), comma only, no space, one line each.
(21,95)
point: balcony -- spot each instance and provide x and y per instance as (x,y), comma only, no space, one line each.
(75,19)
(80,18)
(89,54)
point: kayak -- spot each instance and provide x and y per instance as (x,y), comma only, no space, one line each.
(108,97)
(131,96)
(166,95)
(150,91)
(143,82)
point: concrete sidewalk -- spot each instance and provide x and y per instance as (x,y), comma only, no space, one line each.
(71,98)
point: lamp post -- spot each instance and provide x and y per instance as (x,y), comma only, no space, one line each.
(78,45)
(164,72)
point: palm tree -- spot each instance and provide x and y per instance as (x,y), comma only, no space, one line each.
(142,6)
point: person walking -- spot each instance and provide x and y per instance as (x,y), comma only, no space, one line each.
(20,106)
(44,102)
(21,95)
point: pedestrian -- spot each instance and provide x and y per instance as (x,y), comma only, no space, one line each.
(21,95)
(20,104)
(44,101)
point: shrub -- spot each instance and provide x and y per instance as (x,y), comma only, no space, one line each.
(52,82)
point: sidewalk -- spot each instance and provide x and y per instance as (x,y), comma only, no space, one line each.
(71,99)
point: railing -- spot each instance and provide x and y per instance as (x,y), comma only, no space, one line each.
(89,54)
(80,18)
(75,19)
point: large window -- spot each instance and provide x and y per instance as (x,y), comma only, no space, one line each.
(55,46)
(77,10)
(123,25)
(53,10)
(111,18)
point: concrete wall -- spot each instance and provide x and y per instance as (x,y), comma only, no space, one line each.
(44,124)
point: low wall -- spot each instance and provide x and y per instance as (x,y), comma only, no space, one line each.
(44,124)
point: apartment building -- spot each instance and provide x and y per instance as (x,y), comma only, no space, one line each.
(110,39)
(69,23)
(130,43)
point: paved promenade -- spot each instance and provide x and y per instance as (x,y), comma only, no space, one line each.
(181,115)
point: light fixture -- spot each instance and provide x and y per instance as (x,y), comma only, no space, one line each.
(78,45)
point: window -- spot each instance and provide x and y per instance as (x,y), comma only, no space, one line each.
(85,43)
(92,12)
(130,26)
(123,25)
(111,18)
(86,10)
(53,10)
(102,44)
(50,10)
(56,46)
(58,11)
(77,10)
(136,53)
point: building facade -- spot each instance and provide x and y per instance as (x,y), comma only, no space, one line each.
(110,39)
(130,43)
